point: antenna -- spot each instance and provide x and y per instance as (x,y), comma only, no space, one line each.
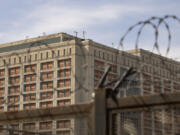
(112,45)
(76,33)
(44,33)
(84,32)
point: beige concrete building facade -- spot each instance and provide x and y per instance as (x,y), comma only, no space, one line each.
(61,69)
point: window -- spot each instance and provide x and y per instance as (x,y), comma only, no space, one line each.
(29,87)
(64,93)
(14,71)
(94,53)
(2,81)
(64,63)
(111,77)
(47,54)
(68,62)
(1,110)
(4,62)
(41,56)
(157,84)
(25,58)
(63,124)
(29,97)
(176,86)
(113,68)
(35,56)
(98,74)
(29,126)
(29,78)
(99,64)
(167,85)
(2,72)
(64,102)
(61,63)
(29,58)
(46,104)
(45,125)
(30,106)
(52,53)
(9,60)
(13,80)
(47,75)
(47,95)
(1,101)
(30,68)
(46,66)
(46,85)
(19,59)
(64,83)
(13,108)
(1,91)
(70,51)
(14,90)
(13,99)
(64,73)
(58,53)
(64,52)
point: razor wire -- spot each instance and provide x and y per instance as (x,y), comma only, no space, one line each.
(142,24)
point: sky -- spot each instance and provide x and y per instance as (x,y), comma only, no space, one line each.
(105,21)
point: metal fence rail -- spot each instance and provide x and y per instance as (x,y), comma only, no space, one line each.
(106,117)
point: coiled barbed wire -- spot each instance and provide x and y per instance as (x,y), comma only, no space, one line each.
(142,24)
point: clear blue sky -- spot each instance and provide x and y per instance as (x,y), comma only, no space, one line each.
(105,21)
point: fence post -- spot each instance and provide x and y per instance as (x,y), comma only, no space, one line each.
(100,114)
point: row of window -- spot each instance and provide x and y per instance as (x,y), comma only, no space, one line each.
(32,77)
(105,56)
(60,124)
(160,63)
(35,57)
(157,84)
(48,95)
(32,68)
(100,65)
(160,72)
(32,96)
(44,76)
(31,106)
(32,87)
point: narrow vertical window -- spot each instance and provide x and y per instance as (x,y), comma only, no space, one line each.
(58,52)
(25,58)
(103,55)
(70,51)
(35,56)
(41,56)
(19,59)
(9,60)
(29,58)
(64,52)
(46,54)
(14,60)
